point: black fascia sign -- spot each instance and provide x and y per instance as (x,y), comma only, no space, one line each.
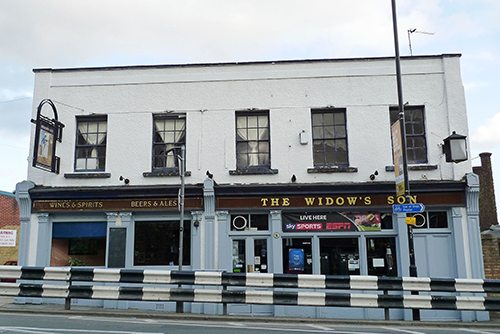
(47,133)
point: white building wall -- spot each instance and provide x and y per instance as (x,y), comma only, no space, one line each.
(210,95)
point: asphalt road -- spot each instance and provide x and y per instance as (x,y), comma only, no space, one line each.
(15,323)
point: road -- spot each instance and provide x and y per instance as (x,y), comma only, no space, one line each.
(15,323)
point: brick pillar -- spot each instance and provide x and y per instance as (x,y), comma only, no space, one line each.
(487,206)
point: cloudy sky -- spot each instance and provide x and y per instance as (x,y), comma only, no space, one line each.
(60,34)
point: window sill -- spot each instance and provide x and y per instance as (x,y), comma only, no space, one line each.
(413,167)
(334,169)
(253,171)
(166,173)
(96,175)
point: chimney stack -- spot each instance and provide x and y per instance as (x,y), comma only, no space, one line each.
(487,205)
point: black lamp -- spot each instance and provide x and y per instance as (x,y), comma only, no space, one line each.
(455,148)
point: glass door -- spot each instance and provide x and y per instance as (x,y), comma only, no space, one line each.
(250,255)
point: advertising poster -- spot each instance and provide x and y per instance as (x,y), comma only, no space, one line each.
(331,222)
(397,151)
(296,259)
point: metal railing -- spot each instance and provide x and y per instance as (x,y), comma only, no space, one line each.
(280,289)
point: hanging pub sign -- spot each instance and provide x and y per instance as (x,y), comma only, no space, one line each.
(331,222)
(47,133)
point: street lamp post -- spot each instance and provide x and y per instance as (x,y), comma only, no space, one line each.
(413,267)
(179,306)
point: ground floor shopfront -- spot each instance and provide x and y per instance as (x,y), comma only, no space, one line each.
(306,229)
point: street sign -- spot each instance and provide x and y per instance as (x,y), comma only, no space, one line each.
(408,208)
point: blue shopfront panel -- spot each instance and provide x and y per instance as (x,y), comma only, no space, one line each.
(79,230)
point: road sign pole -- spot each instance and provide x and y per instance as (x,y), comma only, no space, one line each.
(413,267)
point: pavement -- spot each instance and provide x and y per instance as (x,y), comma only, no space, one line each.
(8,305)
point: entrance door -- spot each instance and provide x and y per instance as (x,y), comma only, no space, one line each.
(250,255)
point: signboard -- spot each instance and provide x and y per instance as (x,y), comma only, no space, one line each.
(47,133)
(408,208)
(339,201)
(330,222)
(397,151)
(115,204)
(8,238)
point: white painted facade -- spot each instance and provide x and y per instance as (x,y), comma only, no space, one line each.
(210,95)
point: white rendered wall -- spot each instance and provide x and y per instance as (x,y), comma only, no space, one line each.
(210,95)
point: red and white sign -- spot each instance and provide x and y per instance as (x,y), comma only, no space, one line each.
(8,238)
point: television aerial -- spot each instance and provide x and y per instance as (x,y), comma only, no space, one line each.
(414,30)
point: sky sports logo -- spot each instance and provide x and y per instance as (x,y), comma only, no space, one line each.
(303,226)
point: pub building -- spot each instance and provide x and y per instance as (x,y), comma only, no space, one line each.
(273,167)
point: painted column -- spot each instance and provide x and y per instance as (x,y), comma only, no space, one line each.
(474,234)
(44,243)
(209,206)
(276,243)
(224,246)
(197,242)
(472,201)
(24,201)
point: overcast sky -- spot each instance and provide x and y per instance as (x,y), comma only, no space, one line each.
(61,34)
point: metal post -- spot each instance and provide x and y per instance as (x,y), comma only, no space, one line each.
(182,171)
(413,267)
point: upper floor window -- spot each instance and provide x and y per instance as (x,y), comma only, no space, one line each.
(416,146)
(168,137)
(329,137)
(252,140)
(91,143)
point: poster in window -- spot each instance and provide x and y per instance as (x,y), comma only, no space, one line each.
(296,259)
(331,222)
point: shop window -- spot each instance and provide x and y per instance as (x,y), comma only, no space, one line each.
(91,144)
(416,146)
(386,221)
(339,256)
(329,134)
(431,220)
(252,140)
(168,137)
(78,244)
(83,246)
(297,256)
(249,222)
(157,243)
(382,256)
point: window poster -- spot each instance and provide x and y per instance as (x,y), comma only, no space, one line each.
(331,222)
(296,259)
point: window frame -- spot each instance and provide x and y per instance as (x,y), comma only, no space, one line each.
(260,165)
(156,144)
(324,151)
(411,127)
(97,146)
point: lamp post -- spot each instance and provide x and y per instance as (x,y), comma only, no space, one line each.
(179,306)
(182,173)
(411,251)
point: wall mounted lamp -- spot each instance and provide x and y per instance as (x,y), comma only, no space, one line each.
(455,148)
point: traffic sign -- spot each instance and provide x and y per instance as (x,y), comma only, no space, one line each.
(408,208)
